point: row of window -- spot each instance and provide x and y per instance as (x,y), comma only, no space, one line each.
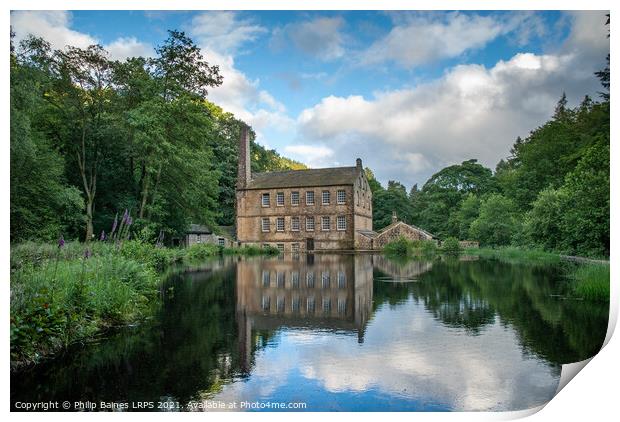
(310,279)
(326,223)
(296,304)
(341,197)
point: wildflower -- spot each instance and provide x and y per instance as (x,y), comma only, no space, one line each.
(114,224)
(61,242)
(129,220)
(125,216)
(87,254)
(102,237)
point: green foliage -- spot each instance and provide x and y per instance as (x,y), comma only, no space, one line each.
(451,246)
(497,222)
(591,282)
(387,201)
(512,254)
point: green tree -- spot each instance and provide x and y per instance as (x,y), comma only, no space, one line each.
(497,222)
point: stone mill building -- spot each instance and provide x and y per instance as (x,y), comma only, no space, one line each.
(302,210)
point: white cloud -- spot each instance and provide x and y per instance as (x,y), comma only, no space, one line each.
(122,48)
(320,37)
(224,31)
(54,27)
(312,155)
(423,38)
(470,112)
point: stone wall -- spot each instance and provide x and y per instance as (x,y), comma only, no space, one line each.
(394,231)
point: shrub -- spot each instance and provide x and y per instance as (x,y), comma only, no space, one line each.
(451,246)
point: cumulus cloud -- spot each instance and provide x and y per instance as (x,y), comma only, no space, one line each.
(321,37)
(224,31)
(423,38)
(312,155)
(470,112)
(54,27)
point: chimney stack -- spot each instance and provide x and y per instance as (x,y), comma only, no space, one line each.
(358,163)
(394,217)
(244,172)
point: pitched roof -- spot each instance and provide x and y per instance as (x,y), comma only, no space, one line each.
(391,226)
(304,178)
(199,228)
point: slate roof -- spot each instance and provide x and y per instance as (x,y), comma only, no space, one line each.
(387,228)
(304,178)
(199,228)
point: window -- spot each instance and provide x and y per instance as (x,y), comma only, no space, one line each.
(325,197)
(280,224)
(280,199)
(342,306)
(294,198)
(280,304)
(221,241)
(266,279)
(309,224)
(295,302)
(341,222)
(325,223)
(265,224)
(295,225)
(280,247)
(266,302)
(342,280)
(310,305)
(310,198)
(295,247)
(325,279)
(295,279)
(310,280)
(265,200)
(280,279)
(341,196)
(327,304)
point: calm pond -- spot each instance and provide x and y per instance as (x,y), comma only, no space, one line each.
(337,332)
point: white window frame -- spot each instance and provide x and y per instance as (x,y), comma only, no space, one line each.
(266,203)
(342,280)
(325,194)
(294,202)
(295,247)
(278,220)
(295,227)
(279,199)
(280,247)
(313,222)
(310,194)
(341,219)
(326,227)
(221,241)
(265,221)
(341,193)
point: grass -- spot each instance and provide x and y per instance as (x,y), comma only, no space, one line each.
(403,247)
(60,296)
(591,282)
(515,254)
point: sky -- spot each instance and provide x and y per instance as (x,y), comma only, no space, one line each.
(408,92)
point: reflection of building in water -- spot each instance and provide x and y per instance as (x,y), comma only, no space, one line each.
(324,291)
(408,270)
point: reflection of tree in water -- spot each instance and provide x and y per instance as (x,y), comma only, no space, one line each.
(469,295)
(191,352)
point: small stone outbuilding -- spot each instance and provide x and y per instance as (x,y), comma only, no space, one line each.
(370,240)
(201,234)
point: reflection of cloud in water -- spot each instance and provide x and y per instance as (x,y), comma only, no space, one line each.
(426,361)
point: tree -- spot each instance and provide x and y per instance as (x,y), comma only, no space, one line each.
(497,222)
(467,213)
(387,201)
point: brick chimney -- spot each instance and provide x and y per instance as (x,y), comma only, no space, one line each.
(244,172)
(358,163)
(394,217)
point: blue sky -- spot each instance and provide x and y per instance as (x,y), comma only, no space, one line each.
(408,92)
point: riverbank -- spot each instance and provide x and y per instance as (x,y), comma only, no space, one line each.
(65,294)
(590,278)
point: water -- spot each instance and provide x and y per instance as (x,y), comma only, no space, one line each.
(334,332)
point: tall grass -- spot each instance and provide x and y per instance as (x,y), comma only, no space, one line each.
(591,282)
(63,295)
(514,254)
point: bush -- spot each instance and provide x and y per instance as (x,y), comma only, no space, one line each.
(405,247)
(451,246)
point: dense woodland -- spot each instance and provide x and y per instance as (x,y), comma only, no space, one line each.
(91,137)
